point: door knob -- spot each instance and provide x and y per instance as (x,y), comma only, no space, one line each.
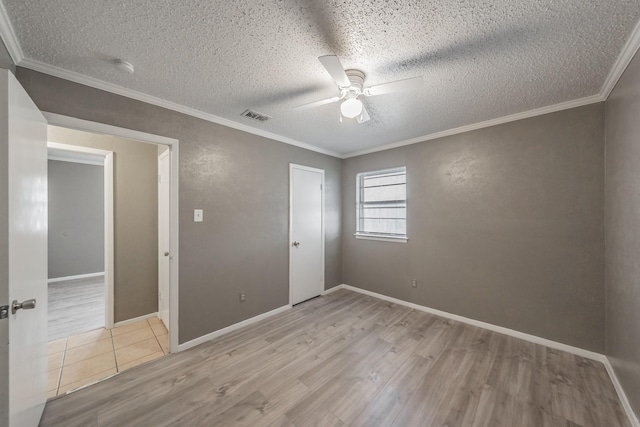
(296,244)
(26,305)
(166,254)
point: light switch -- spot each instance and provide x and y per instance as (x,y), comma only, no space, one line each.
(197,215)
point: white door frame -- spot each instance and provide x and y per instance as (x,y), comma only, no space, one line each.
(161,235)
(108,221)
(173,144)
(293,166)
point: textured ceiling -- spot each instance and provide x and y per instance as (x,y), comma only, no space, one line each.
(480,59)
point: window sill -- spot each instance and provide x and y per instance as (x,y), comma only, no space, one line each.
(381,238)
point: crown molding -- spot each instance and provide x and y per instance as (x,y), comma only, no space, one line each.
(622,62)
(9,36)
(139,96)
(481,125)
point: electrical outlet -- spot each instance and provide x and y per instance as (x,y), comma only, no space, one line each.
(414,283)
(243,297)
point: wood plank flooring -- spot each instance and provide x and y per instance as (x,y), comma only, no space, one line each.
(346,359)
(75,306)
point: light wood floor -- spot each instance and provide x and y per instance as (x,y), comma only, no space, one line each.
(349,359)
(75,306)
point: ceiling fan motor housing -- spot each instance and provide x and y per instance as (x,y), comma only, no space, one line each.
(356,77)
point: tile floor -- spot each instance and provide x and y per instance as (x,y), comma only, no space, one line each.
(82,359)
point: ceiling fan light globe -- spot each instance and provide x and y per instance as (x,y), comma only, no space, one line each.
(351,107)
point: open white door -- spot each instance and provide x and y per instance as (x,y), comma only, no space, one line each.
(27,242)
(306,217)
(164,231)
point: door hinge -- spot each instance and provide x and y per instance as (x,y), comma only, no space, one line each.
(4,311)
(320,187)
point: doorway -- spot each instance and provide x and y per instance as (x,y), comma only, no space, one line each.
(24,273)
(80,243)
(135,333)
(306,232)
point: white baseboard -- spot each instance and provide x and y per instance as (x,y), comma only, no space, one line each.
(78,276)
(208,337)
(633,419)
(335,288)
(500,329)
(135,319)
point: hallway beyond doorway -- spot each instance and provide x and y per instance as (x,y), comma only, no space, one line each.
(75,306)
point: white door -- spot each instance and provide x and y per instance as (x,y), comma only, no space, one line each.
(306,250)
(27,201)
(164,180)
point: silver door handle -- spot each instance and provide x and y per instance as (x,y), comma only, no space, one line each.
(26,305)
(296,244)
(166,254)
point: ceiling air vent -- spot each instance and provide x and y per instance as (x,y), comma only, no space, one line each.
(256,116)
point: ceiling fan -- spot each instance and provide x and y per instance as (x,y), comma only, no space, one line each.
(351,85)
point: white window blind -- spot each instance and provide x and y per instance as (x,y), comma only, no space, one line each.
(382,203)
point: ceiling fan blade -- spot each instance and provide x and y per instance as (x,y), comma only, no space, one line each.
(321,16)
(317,103)
(397,86)
(335,69)
(505,40)
(364,116)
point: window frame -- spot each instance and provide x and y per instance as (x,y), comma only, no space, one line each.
(359,189)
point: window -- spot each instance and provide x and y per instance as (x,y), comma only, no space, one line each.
(382,204)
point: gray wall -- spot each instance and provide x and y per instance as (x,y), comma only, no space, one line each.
(505,225)
(76,218)
(242,183)
(135,199)
(622,231)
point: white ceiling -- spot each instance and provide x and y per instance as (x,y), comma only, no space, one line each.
(480,60)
